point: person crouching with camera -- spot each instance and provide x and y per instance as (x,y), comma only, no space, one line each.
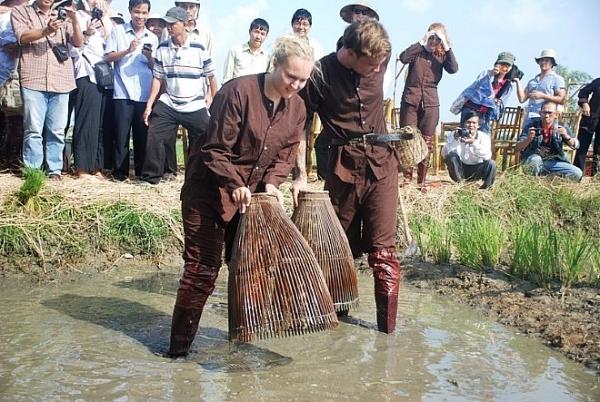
(468,153)
(46,75)
(541,146)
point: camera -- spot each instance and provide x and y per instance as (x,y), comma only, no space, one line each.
(97,13)
(463,133)
(538,131)
(147,46)
(515,73)
(61,13)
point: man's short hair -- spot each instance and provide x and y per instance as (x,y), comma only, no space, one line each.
(471,113)
(259,23)
(134,3)
(302,14)
(367,38)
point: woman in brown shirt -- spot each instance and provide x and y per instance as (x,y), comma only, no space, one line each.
(420,105)
(256,125)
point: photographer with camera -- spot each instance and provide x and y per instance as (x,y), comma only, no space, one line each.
(468,153)
(541,146)
(46,75)
(486,96)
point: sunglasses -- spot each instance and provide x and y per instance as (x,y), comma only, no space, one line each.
(360,11)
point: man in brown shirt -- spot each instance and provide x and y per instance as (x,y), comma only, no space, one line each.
(46,76)
(362,177)
(256,125)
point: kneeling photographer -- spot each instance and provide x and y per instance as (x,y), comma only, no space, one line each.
(46,75)
(541,146)
(468,153)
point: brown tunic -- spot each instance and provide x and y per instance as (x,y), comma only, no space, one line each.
(424,73)
(247,144)
(350,105)
(364,185)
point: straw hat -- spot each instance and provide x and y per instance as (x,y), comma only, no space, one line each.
(547,53)
(347,11)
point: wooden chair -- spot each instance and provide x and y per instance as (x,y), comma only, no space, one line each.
(395,118)
(570,120)
(504,135)
(439,140)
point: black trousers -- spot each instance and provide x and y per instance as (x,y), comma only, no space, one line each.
(108,129)
(129,118)
(162,134)
(88,148)
(322,144)
(459,171)
(589,125)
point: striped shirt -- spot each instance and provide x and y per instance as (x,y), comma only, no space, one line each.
(184,70)
(39,68)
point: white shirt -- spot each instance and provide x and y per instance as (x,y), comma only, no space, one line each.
(93,50)
(133,77)
(470,154)
(241,60)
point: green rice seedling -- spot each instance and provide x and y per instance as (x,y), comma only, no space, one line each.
(12,240)
(439,241)
(419,228)
(479,239)
(576,254)
(536,254)
(28,193)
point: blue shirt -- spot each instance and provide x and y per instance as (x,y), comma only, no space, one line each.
(133,77)
(550,84)
(8,62)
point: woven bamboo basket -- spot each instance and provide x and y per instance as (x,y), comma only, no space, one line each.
(276,287)
(318,223)
(413,150)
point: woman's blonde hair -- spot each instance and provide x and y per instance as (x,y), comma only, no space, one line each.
(292,45)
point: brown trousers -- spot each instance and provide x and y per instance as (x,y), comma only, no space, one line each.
(426,120)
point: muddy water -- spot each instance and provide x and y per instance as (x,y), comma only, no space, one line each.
(98,338)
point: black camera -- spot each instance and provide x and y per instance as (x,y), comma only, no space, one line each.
(538,131)
(97,13)
(61,13)
(463,133)
(515,73)
(147,46)
(61,52)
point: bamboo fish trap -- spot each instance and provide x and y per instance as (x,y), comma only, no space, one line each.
(318,223)
(413,150)
(276,287)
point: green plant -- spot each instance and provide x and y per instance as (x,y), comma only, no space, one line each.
(576,253)
(28,193)
(535,254)
(433,238)
(479,239)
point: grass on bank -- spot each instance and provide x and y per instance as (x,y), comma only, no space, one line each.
(54,231)
(546,231)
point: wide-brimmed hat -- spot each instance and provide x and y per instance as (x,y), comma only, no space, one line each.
(117,16)
(154,16)
(547,53)
(347,11)
(175,14)
(505,57)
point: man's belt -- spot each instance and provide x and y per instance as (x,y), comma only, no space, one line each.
(372,139)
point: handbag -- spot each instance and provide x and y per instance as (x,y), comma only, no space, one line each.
(11,101)
(413,150)
(103,72)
